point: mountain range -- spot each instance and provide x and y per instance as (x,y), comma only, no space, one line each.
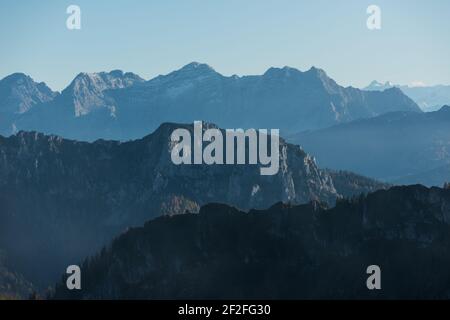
(79,168)
(399,147)
(62,200)
(429,98)
(285,252)
(18,95)
(122,106)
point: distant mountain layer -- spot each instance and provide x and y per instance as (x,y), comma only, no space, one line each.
(61,199)
(391,147)
(122,106)
(285,252)
(429,98)
(18,95)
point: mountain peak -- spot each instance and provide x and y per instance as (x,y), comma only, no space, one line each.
(14,77)
(281,72)
(86,91)
(375,83)
(196,68)
(19,92)
(329,84)
(379,86)
(101,81)
(197,65)
(19,78)
(108,76)
(117,73)
(320,73)
(189,72)
(317,71)
(287,71)
(445,109)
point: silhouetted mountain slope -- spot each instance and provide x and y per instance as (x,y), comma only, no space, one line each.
(287,252)
(387,147)
(122,106)
(61,199)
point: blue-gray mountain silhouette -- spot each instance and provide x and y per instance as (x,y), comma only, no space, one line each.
(428,98)
(18,95)
(122,106)
(402,147)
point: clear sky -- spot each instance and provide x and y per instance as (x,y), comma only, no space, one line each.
(234,36)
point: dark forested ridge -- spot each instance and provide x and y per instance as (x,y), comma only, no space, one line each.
(61,200)
(13,285)
(287,251)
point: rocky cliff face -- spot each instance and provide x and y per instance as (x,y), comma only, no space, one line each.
(286,252)
(87,92)
(61,199)
(19,93)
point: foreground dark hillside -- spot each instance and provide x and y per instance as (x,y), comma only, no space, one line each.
(304,251)
(13,285)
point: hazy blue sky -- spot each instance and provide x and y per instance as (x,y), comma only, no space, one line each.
(233,36)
